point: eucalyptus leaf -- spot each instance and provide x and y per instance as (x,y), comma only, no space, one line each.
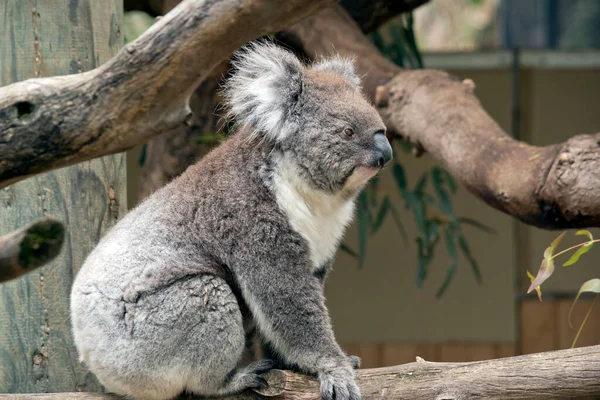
(452,253)
(537,288)
(143,154)
(383,211)
(345,248)
(437,177)
(582,250)
(422,262)
(374,185)
(412,42)
(421,183)
(547,267)
(399,224)
(400,177)
(593,286)
(364,221)
(467,252)
(476,224)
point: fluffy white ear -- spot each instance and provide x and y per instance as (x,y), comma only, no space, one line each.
(263,91)
(342,66)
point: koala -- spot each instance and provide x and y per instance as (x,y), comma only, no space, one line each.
(240,242)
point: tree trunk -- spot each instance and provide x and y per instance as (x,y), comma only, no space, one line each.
(39,39)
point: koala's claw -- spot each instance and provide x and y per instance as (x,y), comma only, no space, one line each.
(257,381)
(260,366)
(338,385)
(251,375)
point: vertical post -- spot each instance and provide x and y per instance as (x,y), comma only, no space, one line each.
(40,38)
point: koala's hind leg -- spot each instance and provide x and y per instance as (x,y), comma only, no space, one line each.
(187,336)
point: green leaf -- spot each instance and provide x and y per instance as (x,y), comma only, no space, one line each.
(426,198)
(383,210)
(374,186)
(437,176)
(422,262)
(582,250)
(142,159)
(418,210)
(553,245)
(399,224)
(537,288)
(364,221)
(449,180)
(585,232)
(400,177)
(467,252)
(476,224)
(398,44)
(547,267)
(412,42)
(379,42)
(451,249)
(432,232)
(593,286)
(409,197)
(420,186)
(345,248)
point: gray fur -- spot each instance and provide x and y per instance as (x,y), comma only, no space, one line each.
(162,304)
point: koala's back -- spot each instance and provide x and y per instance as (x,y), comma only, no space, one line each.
(188,224)
(163,259)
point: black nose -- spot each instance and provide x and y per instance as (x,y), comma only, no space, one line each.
(383,150)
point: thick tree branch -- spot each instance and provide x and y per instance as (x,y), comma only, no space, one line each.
(573,373)
(143,91)
(553,187)
(30,247)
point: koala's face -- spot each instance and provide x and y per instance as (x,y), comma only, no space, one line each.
(315,115)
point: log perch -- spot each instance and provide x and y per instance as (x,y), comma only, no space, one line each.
(30,247)
(562,374)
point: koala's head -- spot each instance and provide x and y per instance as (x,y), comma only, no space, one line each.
(314,115)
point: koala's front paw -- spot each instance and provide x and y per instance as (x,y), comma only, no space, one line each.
(251,377)
(339,384)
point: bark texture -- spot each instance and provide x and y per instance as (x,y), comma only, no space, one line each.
(563,374)
(552,187)
(143,91)
(30,247)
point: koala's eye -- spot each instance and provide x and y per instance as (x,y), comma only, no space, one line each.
(348,132)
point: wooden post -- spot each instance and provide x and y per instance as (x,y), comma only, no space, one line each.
(38,39)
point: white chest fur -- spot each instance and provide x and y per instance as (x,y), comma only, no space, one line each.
(319,217)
